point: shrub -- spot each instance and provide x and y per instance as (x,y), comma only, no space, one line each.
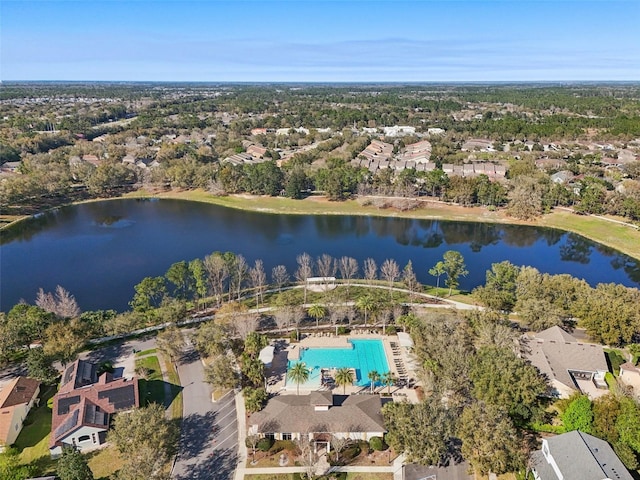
(377,443)
(264,444)
(342,330)
(293,336)
(280,445)
(351,452)
(391,330)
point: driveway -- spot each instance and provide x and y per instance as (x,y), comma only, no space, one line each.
(120,355)
(209,432)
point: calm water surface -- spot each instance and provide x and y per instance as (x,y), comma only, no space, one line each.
(99,251)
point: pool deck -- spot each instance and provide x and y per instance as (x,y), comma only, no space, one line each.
(398,360)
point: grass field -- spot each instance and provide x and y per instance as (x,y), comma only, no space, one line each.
(33,441)
(146,352)
(104,463)
(176,389)
(623,238)
(152,387)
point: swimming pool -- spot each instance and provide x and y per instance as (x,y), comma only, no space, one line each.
(364,356)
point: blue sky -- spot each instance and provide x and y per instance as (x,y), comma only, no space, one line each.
(304,40)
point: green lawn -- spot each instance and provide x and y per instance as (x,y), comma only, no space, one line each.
(151,388)
(146,352)
(33,441)
(176,389)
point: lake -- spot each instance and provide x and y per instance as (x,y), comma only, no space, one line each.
(99,251)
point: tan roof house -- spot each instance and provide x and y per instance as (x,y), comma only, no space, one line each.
(319,416)
(16,399)
(569,365)
(83,406)
(256,151)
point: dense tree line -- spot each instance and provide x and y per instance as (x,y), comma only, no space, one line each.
(608,311)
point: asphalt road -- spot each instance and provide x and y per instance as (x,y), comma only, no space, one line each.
(209,432)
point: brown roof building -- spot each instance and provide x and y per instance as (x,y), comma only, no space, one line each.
(16,399)
(319,416)
(84,404)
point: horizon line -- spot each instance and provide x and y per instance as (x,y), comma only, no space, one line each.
(327,82)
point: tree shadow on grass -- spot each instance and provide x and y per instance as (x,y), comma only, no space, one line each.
(157,391)
(197,432)
(221,465)
(37,425)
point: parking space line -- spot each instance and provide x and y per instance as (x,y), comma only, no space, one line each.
(218,420)
(225,439)
(223,429)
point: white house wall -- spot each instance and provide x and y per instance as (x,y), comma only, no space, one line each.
(92,443)
(19,413)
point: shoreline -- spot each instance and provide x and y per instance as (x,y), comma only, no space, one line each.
(612,233)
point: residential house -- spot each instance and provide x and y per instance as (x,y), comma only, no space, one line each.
(562,177)
(16,400)
(570,366)
(10,167)
(419,152)
(577,455)
(377,151)
(84,404)
(318,417)
(241,158)
(256,151)
(630,376)
(399,131)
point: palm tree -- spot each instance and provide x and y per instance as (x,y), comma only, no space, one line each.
(374,376)
(299,374)
(317,311)
(388,379)
(366,303)
(344,377)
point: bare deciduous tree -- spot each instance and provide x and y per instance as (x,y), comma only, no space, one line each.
(279,276)
(246,324)
(258,280)
(304,271)
(46,301)
(337,315)
(67,305)
(326,265)
(62,303)
(410,280)
(283,316)
(239,274)
(339,444)
(350,314)
(390,272)
(370,270)
(217,273)
(348,270)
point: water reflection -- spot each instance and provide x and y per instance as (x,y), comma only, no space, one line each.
(576,249)
(88,250)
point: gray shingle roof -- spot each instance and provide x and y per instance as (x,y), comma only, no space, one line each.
(296,413)
(580,456)
(556,353)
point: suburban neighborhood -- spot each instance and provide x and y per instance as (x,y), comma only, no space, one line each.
(335,282)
